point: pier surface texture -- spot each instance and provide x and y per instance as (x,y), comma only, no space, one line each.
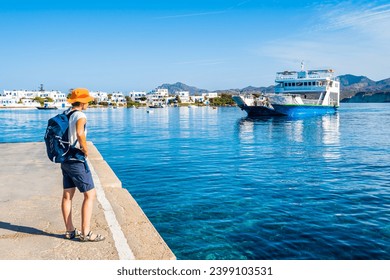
(31,224)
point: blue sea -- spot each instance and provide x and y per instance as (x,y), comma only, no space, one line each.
(219,185)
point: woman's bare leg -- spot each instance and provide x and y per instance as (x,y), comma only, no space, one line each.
(66,207)
(86,211)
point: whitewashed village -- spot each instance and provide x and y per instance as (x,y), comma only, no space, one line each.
(157,98)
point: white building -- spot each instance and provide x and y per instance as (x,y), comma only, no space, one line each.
(118,98)
(158,98)
(138,96)
(7,99)
(184,96)
(203,98)
(163,92)
(26,97)
(100,96)
(59,98)
(199,98)
(212,95)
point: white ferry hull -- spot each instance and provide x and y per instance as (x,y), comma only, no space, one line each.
(288,110)
(304,110)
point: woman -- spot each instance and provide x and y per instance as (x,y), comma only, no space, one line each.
(75,170)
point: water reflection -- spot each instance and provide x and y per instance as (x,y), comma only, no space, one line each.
(331,136)
(246,131)
(319,135)
(24,125)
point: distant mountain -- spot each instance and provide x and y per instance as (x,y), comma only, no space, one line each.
(355,81)
(172,88)
(363,88)
(384,84)
(252,89)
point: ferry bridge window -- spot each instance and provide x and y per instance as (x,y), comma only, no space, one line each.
(305,83)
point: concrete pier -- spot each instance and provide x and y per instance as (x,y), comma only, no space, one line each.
(31,224)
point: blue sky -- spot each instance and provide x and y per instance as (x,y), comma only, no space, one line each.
(138,45)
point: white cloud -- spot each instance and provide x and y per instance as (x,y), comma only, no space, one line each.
(372,18)
(348,37)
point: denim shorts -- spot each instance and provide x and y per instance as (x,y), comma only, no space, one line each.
(77,174)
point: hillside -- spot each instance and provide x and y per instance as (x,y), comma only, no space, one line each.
(363,89)
(182,87)
(363,97)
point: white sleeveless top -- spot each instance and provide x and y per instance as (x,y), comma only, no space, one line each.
(72,127)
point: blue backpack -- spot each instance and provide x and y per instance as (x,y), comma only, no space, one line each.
(56,137)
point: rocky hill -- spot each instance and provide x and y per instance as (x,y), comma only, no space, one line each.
(363,97)
(194,90)
(182,87)
(363,89)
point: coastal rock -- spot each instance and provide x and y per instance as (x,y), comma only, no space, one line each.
(364,97)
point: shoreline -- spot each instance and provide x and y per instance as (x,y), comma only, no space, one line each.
(110,107)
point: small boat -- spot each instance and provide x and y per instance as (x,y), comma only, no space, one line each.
(156,106)
(47,106)
(297,93)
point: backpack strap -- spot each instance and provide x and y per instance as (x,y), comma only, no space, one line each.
(69,114)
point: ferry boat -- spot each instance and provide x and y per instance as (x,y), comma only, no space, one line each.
(305,92)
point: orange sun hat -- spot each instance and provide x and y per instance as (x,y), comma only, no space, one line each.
(80,95)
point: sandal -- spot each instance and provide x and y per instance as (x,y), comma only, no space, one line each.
(72,234)
(88,237)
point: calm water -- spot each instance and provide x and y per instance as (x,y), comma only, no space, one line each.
(218,185)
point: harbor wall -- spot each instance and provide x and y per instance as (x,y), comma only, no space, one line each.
(31,223)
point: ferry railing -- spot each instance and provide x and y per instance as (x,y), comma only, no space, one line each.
(295,77)
(298,89)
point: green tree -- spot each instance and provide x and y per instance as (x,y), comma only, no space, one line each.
(42,100)
(224,100)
